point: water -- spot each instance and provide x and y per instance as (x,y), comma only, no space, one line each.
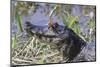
(39,18)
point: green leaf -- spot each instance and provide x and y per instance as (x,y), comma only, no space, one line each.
(78,29)
(91,24)
(82,37)
(40,61)
(64,20)
(19,22)
(72,21)
(52,11)
(14,41)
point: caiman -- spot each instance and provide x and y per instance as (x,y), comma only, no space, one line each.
(66,40)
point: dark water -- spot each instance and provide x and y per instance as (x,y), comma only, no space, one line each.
(39,18)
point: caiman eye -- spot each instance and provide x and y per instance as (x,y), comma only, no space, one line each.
(56,25)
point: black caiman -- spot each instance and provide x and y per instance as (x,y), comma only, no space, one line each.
(66,40)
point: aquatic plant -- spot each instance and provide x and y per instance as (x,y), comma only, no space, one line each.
(18,22)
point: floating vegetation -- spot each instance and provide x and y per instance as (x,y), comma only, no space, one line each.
(34,52)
